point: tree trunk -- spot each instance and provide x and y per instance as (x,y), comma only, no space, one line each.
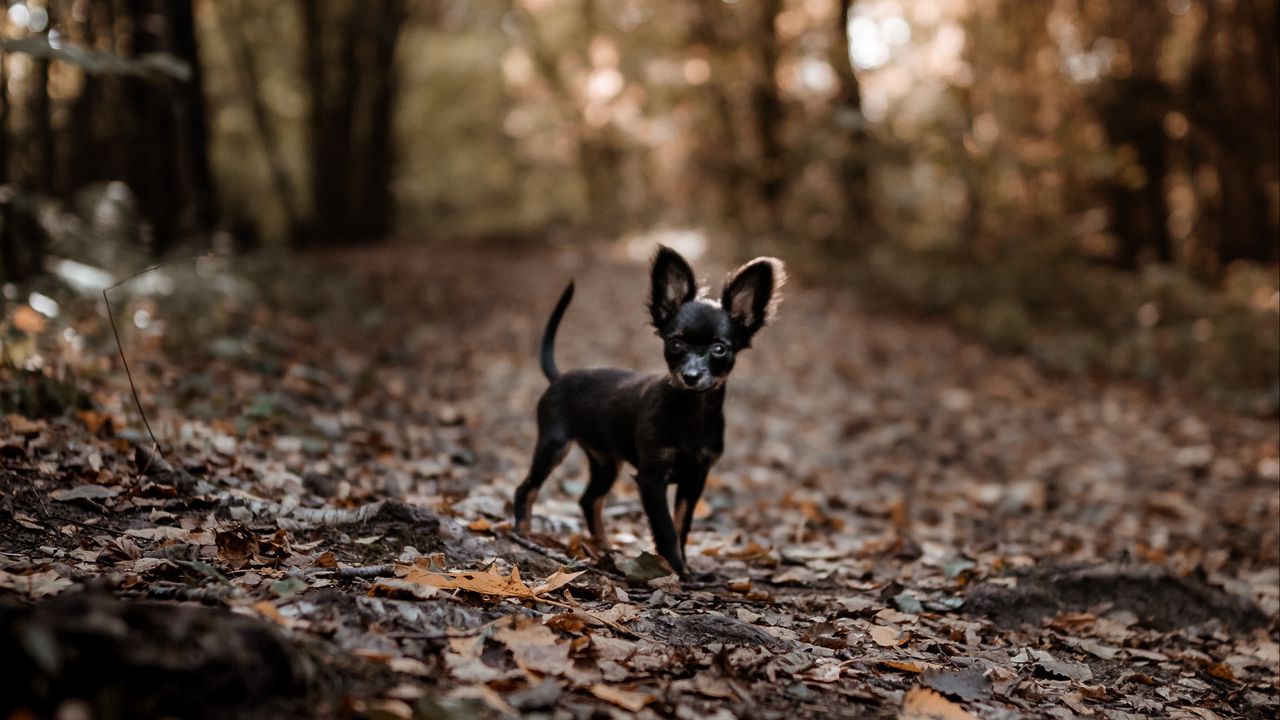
(1133,111)
(193,123)
(84,167)
(1234,110)
(376,206)
(155,172)
(853,171)
(246,68)
(42,141)
(4,123)
(771,172)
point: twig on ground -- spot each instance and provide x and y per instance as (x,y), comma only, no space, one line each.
(216,595)
(120,347)
(367,571)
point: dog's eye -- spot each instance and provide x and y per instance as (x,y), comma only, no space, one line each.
(719,350)
(675,346)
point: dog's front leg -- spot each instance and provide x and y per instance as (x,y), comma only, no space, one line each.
(653,495)
(688,490)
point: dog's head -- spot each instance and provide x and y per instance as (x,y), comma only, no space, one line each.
(701,336)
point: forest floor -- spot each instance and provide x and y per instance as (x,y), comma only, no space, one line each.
(902,525)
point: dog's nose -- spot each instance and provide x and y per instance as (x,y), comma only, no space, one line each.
(690,378)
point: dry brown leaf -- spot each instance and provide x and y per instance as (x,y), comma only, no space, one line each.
(378,656)
(27,521)
(559,579)
(921,704)
(908,666)
(390,708)
(749,551)
(886,636)
(23,426)
(94,421)
(28,320)
(398,589)
(533,645)
(715,687)
(35,585)
(84,492)
(270,612)
(629,700)
(409,666)
(488,582)
(464,662)
(569,622)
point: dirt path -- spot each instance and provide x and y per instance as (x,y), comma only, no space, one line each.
(1119,551)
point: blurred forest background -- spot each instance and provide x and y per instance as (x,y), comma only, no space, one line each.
(1093,182)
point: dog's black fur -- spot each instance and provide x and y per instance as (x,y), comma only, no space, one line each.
(669,427)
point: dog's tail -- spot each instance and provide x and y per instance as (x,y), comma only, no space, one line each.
(548,354)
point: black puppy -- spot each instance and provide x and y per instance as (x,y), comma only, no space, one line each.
(670,428)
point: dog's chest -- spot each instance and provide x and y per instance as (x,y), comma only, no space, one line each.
(701,450)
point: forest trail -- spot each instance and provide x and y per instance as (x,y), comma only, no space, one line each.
(1118,550)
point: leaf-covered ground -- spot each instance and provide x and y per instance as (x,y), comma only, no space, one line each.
(902,524)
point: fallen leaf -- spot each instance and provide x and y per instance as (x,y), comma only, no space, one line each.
(557,580)
(84,492)
(908,666)
(271,612)
(908,603)
(26,319)
(534,646)
(391,709)
(398,589)
(710,686)
(961,684)
(543,696)
(95,421)
(750,551)
(27,521)
(488,582)
(921,704)
(1078,672)
(826,670)
(642,568)
(35,585)
(629,700)
(885,636)
(23,426)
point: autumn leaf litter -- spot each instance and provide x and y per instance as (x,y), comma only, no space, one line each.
(338,472)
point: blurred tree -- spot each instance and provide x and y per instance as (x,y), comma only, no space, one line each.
(40,129)
(193,118)
(350,77)
(1233,105)
(771,168)
(853,148)
(1133,108)
(113,93)
(152,171)
(244,65)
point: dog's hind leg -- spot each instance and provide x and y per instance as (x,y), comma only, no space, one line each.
(604,471)
(550,451)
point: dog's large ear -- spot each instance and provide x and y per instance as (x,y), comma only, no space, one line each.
(672,286)
(751,295)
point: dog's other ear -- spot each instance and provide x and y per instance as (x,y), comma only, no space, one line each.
(751,295)
(672,286)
